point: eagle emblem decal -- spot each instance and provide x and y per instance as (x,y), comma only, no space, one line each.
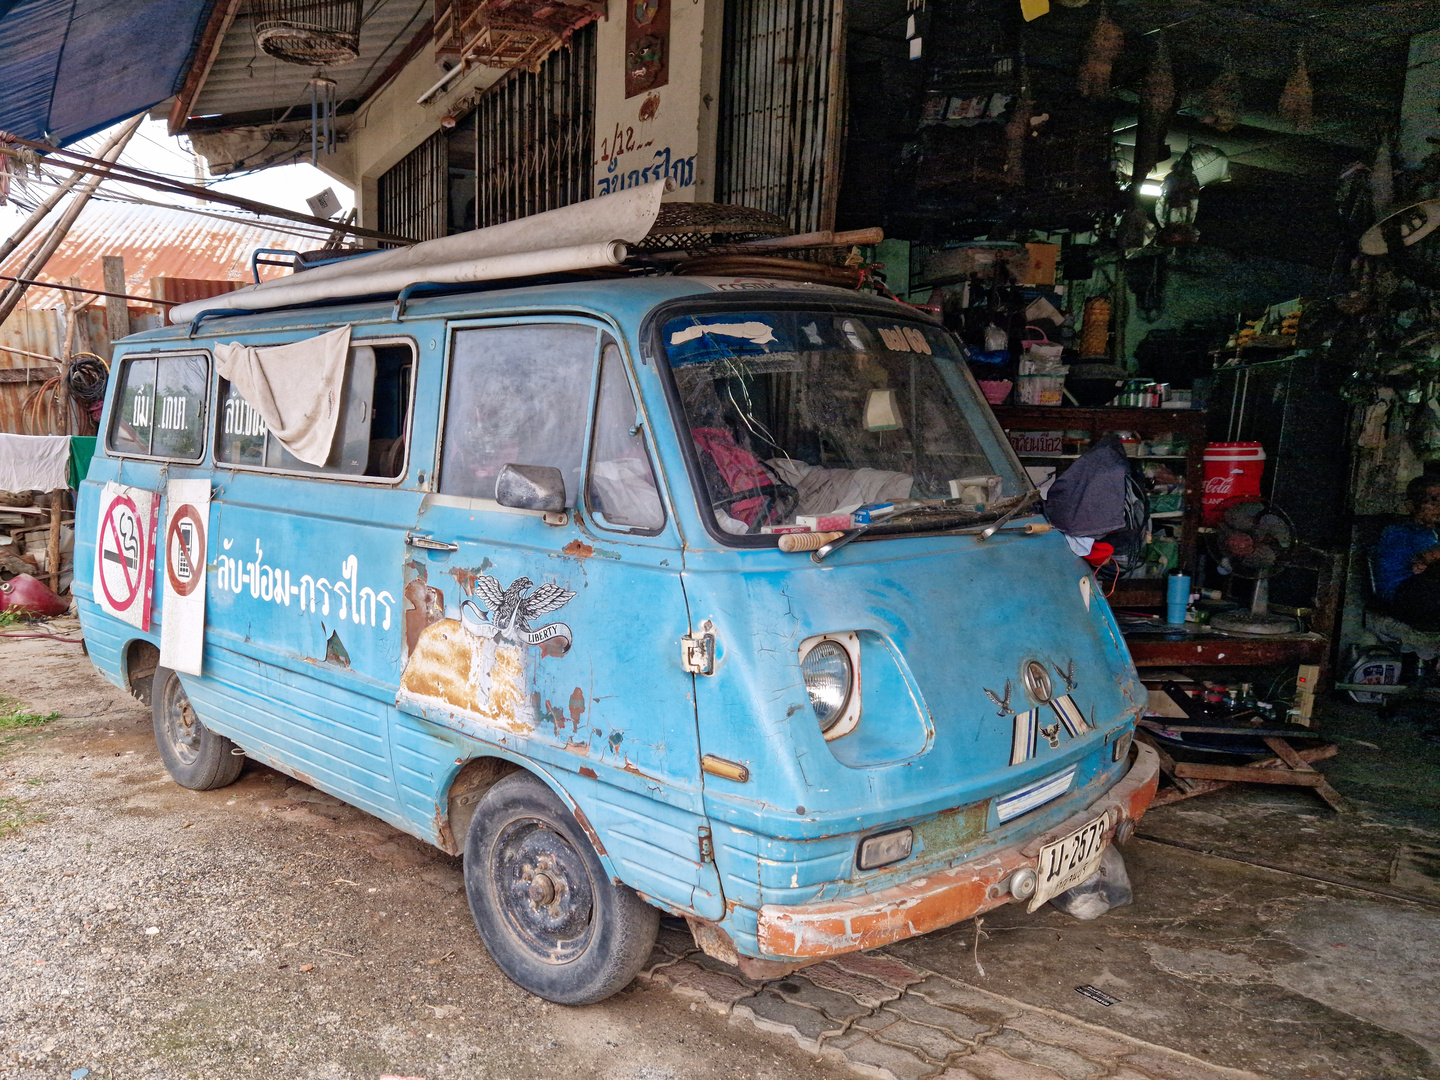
(510,611)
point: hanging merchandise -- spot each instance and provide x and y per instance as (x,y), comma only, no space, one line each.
(1297,100)
(1382,180)
(1157,98)
(1101,50)
(1095,329)
(1017,129)
(1158,94)
(1222,98)
(322,117)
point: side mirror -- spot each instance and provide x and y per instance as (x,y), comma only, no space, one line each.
(531,487)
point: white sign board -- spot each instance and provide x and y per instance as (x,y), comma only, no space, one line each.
(187,526)
(125,553)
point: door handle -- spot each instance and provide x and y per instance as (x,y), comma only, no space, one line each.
(429,543)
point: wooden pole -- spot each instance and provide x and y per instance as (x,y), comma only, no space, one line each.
(62,227)
(39,213)
(74,312)
(117,315)
(52,543)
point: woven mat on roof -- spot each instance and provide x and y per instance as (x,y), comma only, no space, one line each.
(682,226)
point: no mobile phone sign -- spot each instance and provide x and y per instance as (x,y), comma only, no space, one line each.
(182,611)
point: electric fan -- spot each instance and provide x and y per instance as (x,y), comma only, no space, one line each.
(1253,541)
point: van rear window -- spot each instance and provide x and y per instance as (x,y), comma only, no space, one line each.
(369,439)
(159,408)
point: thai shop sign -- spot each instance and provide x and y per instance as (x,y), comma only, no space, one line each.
(651,122)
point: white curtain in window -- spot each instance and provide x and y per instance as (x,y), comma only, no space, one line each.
(295,387)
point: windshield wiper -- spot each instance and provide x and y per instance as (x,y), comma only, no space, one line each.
(940,511)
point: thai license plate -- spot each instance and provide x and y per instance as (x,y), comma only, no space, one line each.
(1069,861)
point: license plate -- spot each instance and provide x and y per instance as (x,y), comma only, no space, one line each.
(1069,860)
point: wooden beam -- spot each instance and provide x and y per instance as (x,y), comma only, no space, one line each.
(52,541)
(1204,787)
(117,315)
(209,49)
(1243,774)
(27,374)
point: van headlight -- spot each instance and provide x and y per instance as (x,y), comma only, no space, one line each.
(829,678)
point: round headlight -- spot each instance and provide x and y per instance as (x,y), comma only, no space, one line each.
(828,677)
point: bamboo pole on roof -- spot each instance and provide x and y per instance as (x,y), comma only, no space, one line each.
(40,212)
(61,228)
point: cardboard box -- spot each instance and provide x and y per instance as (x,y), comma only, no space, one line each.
(1043,258)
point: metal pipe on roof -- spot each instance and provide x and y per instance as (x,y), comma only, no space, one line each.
(57,233)
(580,236)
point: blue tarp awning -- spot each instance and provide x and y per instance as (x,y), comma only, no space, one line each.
(69,68)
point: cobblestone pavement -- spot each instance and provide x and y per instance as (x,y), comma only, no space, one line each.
(893,1020)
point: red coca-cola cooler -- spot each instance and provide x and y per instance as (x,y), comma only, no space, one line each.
(1232,470)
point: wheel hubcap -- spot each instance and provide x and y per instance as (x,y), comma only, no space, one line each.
(544,889)
(182,726)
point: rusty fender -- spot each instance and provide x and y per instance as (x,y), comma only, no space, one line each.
(932,901)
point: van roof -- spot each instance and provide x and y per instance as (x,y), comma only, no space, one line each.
(626,300)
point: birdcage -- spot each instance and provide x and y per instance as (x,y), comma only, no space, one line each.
(313,33)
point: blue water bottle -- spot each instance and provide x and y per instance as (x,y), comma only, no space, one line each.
(1177,597)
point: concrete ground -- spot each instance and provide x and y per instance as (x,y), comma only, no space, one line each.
(267,929)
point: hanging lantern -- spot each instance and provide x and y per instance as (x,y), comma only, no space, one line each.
(313,33)
(1179,201)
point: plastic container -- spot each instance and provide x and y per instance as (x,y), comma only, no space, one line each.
(1177,597)
(1043,388)
(1232,470)
(996,390)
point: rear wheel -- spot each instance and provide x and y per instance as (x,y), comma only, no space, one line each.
(549,915)
(194,756)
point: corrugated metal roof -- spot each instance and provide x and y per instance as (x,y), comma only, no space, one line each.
(244,79)
(154,241)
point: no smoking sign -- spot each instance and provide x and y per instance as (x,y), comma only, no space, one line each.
(124,554)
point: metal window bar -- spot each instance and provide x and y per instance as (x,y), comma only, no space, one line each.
(782,109)
(413,193)
(535,134)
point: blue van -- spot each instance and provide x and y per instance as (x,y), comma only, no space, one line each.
(719,597)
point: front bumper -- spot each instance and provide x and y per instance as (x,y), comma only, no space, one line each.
(808,932)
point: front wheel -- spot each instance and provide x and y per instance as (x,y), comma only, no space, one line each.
(194,756)
(551,918)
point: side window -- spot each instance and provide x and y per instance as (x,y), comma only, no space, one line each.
(370,437)
(160,407)
(518,395)
(622,489)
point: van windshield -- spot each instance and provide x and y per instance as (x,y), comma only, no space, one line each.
(799,416)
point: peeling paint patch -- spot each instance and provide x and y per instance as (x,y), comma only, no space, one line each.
(588,773)
(577,707)
(579,549)
(335,652)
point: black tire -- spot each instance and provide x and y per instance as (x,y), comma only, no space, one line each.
(194,756)
(548,914)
